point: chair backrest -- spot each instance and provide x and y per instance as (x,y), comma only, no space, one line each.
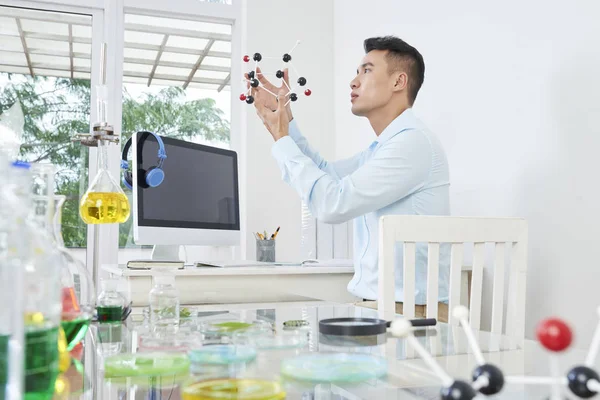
(434,230)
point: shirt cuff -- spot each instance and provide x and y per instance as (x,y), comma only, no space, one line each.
(285,149)
(294,130)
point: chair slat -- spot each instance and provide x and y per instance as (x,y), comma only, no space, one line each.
(433,262)
(409,280)
(477,285)
(456,260)
(498,293)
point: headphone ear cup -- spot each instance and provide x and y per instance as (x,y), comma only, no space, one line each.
(142,179)
(154,176)
(127,180)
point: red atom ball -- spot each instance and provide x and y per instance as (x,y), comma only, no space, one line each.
(242,97)
(246,58)
(554,334)
(307,92)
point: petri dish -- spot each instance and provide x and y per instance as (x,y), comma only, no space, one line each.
(146,364)
(222,354)
(333,367)
(230,389)
(275,341)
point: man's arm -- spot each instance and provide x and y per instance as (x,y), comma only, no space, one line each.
(400,167)
(337,169)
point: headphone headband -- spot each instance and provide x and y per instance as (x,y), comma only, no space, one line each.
(162,155)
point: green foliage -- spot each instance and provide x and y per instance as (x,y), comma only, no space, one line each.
(57,108)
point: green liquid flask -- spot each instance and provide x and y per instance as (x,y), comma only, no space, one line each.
(110,303)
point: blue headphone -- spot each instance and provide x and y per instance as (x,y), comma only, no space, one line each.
(154,175)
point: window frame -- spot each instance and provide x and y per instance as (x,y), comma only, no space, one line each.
(201,12)
(108,27)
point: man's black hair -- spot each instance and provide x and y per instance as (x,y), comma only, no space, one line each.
(401,57)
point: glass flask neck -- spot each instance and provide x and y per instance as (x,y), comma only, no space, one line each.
(42,189)
(19,180)
(102,155)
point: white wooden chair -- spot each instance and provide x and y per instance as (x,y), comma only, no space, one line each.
(433,230)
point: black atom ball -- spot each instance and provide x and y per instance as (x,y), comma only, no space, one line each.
(257,57)
(293,97)
(251,74)
(302,81)
(249,99)
(286,57)
(254,83)
(279,74)
(578,378)
(494,375)
(459,390)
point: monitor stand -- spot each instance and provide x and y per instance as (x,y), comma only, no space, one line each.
(162,252)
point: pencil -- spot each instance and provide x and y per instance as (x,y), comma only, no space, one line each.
(275,234)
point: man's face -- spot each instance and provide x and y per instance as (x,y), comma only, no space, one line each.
(373,86)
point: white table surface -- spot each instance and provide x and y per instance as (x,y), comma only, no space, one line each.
(217,271)
(408,377)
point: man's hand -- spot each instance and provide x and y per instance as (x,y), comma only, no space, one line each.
(276,121)
(261,96)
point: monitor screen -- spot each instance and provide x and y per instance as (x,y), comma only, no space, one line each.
(200,189)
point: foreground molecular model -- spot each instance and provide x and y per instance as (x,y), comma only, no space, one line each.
(553,334)
(254,82)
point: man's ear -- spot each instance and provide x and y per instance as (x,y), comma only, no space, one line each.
(401,81)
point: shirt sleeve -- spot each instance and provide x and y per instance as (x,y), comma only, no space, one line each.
(398,168)
(337,169)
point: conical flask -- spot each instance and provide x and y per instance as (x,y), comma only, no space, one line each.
(104,202)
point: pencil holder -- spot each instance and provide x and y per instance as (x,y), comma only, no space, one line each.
(265,250)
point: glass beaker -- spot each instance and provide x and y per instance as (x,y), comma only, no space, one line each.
(12,336)
(41,264)
(104,202)
(164,304)
(78,292)
(110,302)
(78,296)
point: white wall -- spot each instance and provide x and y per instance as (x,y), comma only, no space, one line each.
(512,90)
(272,30)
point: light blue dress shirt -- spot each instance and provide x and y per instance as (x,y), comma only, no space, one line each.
(403,172)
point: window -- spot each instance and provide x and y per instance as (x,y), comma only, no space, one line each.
(45,70)
(176,75)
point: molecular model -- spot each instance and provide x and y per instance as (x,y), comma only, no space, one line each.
(487,379)
(255,82)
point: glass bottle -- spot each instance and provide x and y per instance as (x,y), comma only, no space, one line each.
(104,202)
(78,293)
(41,264)
(12,335)
(164,304)
(110,303)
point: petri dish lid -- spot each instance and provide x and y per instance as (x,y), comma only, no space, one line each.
(230,389)
(222,354)
(146,364)
(334,367)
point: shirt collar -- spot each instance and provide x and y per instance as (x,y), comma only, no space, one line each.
(404,121)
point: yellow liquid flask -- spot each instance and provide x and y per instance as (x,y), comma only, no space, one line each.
(104,202)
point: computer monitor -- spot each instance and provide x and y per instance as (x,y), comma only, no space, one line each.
(196,204)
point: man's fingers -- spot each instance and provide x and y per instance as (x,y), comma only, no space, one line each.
(286,76)
(262,111)
(262,79)
(281,99)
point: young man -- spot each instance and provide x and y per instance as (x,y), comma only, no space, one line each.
(404,170)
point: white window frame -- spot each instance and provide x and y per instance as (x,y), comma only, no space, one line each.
(108,27)
(95,8)
(202,12)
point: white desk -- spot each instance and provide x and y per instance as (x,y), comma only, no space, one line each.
(408,377)
(209,285)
